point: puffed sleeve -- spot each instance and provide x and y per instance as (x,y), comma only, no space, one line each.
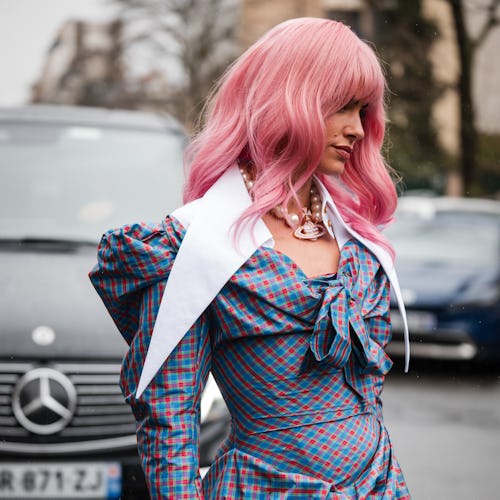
(133,265)
(129,260)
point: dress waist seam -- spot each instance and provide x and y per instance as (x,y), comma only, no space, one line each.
(267,423)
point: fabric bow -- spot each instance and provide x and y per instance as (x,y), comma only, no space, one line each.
(340,330)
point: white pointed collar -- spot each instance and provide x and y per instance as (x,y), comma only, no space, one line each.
(205,261)
(208,257)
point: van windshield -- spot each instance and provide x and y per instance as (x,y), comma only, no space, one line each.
(75,182)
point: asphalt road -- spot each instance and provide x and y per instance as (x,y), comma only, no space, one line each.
(444,422)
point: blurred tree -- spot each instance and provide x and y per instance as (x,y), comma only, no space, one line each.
(197,34)
(468,47)
(403,38)
(487,180)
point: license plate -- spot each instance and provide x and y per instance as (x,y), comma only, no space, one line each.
(97,480)
(419,322)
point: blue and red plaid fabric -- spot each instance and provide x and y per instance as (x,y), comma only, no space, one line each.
(300,362)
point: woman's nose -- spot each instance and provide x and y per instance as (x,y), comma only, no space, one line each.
(354,127)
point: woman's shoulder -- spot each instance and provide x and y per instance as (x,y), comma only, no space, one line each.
(145,236)
(359,262)
(142,248)
(150,235)
(130,259)
(367,279)
(356,252)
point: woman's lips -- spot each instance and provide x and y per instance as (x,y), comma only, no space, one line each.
(343,151)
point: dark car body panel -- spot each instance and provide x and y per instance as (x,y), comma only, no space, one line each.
(453,304)
(47,284)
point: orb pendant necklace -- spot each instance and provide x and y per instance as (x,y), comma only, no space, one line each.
(309,225)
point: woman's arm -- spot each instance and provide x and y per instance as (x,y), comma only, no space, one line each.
(133,266)
(168,413)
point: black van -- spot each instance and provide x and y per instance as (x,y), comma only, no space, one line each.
(66,176)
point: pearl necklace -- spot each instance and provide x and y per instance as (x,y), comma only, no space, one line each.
(309,226)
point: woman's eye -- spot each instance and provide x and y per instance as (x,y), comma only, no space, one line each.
(351,106)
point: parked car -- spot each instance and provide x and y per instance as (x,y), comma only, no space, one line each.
(448,259)
(67,175)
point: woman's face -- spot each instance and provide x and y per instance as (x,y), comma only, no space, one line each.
(343,129)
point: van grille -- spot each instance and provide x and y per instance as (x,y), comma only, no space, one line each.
(100,413)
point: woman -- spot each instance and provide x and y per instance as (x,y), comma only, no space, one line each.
(275,277)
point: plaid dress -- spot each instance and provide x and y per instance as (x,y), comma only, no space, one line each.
(300,362)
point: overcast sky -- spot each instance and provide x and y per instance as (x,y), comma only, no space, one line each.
(27,29)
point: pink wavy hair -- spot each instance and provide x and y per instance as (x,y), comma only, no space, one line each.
(270,106)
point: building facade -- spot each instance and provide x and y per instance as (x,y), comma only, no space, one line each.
(82,65)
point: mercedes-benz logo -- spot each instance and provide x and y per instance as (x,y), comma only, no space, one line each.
(44,401)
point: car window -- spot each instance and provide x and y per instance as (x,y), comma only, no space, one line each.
(446,237)
(74,182)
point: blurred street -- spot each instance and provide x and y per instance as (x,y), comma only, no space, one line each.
(444,422)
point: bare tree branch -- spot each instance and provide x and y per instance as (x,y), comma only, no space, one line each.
(492,20)
(200,34)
